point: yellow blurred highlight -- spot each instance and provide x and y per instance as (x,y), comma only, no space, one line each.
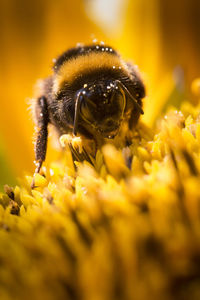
(156,99)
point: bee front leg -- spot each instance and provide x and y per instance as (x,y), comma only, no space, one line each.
(42,120)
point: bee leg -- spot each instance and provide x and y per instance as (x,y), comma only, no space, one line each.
(42,120)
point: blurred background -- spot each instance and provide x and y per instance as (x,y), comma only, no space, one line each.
(161,36)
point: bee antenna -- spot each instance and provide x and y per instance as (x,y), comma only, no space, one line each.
(124,88)
(78,100)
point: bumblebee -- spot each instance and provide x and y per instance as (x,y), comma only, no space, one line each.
(91,92)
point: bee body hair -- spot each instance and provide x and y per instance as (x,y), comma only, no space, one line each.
(92,88)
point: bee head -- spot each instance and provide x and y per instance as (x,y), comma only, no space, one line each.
(101,107)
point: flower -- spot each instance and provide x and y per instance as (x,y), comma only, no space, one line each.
(127,224)
(106,231)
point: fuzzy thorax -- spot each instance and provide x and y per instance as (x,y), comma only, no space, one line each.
(71,69)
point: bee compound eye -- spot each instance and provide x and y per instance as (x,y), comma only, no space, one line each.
(86,112)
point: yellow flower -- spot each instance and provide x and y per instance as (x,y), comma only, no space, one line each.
(127,225)
(106,231)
